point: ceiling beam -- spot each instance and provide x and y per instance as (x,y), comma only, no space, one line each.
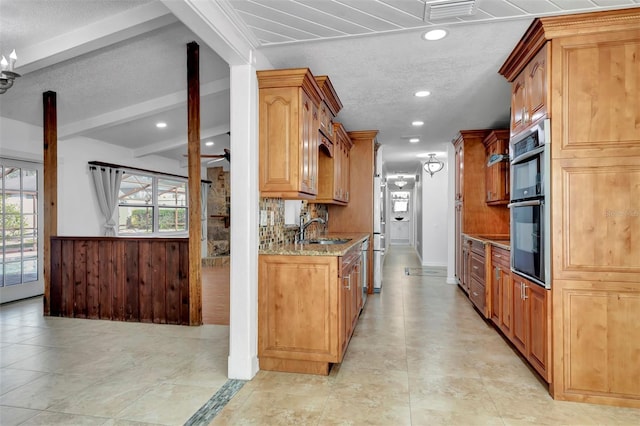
(167,145)
(139,110)
(216,23)
(105,32)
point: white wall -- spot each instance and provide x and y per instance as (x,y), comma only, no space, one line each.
(78,211)
(435,211)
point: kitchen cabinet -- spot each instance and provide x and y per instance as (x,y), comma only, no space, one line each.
(288,132)
(497,167)
(308,307)
(477,286)
(472,214)
(531,334)
(529,93)
(334,171)
(595,188)
(501,308)
(357,214)
(327,111)
(466,265)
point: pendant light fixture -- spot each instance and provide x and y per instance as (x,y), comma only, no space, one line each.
(433,165)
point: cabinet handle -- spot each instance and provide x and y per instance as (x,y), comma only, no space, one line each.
(475,267)
(475,294)
(524,291)
(497,273)
(498,256)
(348,278)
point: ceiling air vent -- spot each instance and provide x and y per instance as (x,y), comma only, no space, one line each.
(449,9)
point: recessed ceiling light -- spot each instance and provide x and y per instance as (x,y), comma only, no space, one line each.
(422,93)
(209,143)
(417,123)
(161,125)
(414,140)
(434,35)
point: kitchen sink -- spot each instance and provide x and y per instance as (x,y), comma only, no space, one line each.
(329,241)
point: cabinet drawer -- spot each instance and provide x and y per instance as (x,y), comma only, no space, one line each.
(501,257)
(477,268)
(477,247)
(476,294)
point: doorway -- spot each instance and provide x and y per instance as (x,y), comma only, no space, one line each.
(20,213)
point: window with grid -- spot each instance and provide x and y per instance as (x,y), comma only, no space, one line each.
(152,205)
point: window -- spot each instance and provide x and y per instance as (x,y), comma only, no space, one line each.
(149,205)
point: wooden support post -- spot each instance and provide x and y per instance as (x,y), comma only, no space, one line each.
(50,214)
(193,151)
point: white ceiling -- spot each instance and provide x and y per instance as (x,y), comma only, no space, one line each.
(118,66)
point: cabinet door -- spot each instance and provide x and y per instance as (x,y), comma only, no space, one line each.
(458,242)
(506,306)
(495,294)
(519,314)
(346,176)
(337,169)
(536,87)
(492,174)
(466,268)
(309,146)
(538,343)
(458,172)
(518,104)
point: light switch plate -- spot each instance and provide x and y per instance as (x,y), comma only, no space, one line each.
(263,218)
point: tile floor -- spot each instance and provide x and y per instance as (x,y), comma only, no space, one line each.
(87,372)
(420,355)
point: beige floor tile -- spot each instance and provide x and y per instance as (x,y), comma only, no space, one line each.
(105,399)
(11,378)
(47,418)
(167,404)
(13,416)
(452,418)
(272,408)
(45,391)
(340,411)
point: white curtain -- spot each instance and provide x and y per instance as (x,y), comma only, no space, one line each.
(204,195)
(107,184)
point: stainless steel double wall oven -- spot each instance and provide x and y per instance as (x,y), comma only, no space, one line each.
(529,155)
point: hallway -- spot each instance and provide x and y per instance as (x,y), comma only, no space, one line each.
(420,355)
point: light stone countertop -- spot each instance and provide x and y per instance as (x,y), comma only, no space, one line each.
(319,249)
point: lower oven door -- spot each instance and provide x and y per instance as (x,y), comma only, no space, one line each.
(527,239)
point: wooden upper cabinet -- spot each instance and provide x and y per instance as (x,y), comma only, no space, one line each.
(333,175)
(529,93)
(289,122)
(327,112)
(497,167)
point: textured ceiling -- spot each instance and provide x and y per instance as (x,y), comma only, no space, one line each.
(118,65)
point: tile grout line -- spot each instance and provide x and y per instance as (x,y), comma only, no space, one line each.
(215,404)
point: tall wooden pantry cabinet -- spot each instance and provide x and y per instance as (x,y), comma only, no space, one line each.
(592,77)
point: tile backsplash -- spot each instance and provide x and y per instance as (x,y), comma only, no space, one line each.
(280,233)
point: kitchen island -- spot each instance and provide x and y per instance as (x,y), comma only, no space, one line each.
(309,299)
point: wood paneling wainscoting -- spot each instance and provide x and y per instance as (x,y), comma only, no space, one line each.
(122,279)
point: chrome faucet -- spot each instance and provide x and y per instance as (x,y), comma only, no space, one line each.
(304,225)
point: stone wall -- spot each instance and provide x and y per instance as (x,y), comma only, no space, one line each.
(218,204)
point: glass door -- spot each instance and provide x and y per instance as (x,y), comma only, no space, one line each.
(20,213)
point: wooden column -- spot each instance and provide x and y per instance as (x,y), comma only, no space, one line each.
(50,214)
(193,151)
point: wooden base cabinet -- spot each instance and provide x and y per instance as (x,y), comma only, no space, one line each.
(501,290)
(531,320)
(308,307)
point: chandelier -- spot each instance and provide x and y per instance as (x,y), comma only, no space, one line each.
(7,75)
(433,165)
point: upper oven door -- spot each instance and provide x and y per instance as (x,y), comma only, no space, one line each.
(527,176)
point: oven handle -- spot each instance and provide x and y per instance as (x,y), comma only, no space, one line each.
(526,203)
(527,155)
